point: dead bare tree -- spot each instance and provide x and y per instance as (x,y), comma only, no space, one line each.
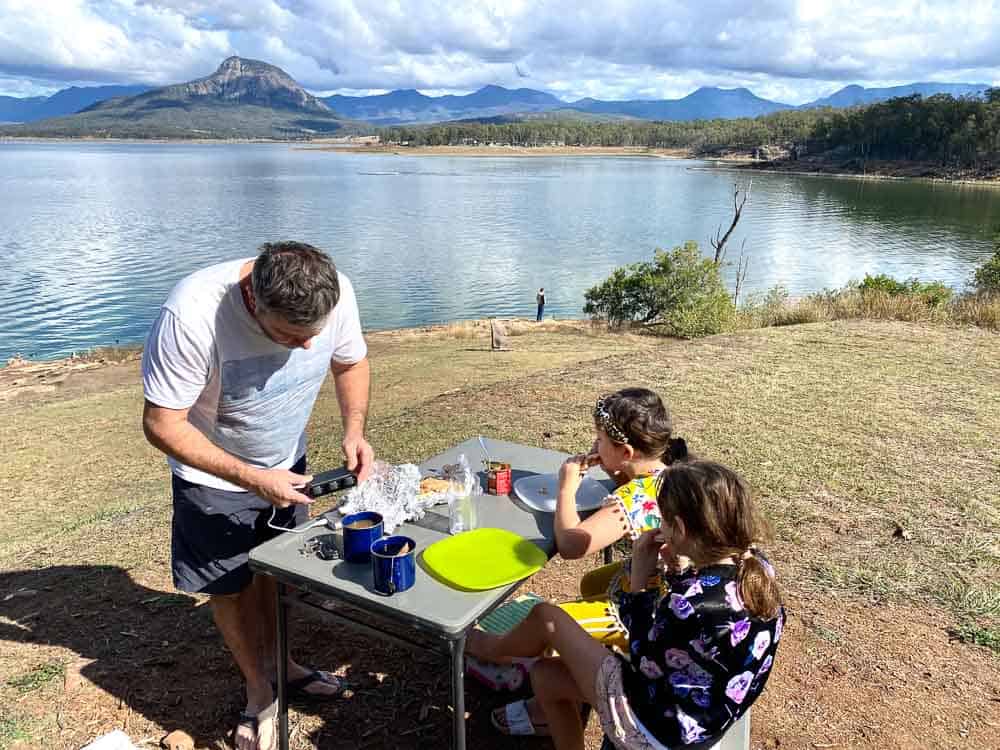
(740,197)
(741,271)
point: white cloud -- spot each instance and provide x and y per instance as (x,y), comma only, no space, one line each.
(793,50)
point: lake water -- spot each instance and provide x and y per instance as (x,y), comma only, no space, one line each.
(93,236)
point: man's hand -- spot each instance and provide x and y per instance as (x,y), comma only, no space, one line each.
(359,456)
(646,552)
(278,487)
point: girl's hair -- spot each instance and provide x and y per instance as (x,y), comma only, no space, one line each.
(720,520)
(638,417)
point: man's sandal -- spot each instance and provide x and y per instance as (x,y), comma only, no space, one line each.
(253,721)
(513,719)
(295,690)
(246,720)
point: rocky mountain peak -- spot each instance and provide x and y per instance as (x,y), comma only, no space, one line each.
(239,80)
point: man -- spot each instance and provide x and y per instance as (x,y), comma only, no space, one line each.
(231,370)
(540,299)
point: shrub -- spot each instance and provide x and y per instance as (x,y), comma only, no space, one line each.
(987,277)
(931,293)
(680,293)
(882,283)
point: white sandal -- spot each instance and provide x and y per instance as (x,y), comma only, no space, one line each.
(268,715)
(513,719)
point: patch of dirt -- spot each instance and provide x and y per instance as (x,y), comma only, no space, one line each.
(24,381)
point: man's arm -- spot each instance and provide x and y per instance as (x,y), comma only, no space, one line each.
(353,384)
(169,431)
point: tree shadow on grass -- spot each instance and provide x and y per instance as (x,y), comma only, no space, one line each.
(160,654)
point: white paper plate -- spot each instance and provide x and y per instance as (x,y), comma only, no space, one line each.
(540,491)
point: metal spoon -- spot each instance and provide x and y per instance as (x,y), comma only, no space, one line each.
(486,453)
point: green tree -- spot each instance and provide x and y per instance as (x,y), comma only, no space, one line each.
(680,293)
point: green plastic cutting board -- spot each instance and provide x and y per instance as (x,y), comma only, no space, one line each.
(483,559)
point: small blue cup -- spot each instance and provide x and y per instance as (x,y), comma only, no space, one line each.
(394,569)
(360,530)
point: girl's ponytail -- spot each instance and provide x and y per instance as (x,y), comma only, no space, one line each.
(757,587)
(720,520)
(677,451)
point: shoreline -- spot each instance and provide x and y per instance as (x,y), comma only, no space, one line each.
(23,377)
(118,353)
(882,170)
(992,182)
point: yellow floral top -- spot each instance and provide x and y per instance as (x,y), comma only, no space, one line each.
(637,502)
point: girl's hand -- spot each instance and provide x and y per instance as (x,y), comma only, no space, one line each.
(645,556)
(594,455)
(574,468)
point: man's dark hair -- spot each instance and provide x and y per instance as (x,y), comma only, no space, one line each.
(296,282)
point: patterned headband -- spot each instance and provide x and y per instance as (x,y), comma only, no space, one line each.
(608,423)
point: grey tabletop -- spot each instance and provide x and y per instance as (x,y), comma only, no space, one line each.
(429,604)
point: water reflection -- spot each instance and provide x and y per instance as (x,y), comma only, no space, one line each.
(94,235)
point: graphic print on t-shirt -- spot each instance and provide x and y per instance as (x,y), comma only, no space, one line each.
(242,378)
(265,401)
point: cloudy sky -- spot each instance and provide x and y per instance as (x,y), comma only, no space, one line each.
(789,50)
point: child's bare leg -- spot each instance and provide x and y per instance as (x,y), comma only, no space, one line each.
(547,626)
(559,697)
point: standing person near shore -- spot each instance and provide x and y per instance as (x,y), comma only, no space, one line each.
(540,301)
(231,370)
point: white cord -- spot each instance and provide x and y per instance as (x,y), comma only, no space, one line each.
(318,522)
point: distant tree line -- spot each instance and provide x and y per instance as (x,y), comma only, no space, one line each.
(701,135)
(961,131)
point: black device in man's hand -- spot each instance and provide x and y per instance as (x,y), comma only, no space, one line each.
(330,481)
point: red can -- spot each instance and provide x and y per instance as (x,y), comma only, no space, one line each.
(498,478)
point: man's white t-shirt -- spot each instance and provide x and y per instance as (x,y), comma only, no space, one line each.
(250,396)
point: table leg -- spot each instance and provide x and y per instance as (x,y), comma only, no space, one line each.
(282,666)
(457,648)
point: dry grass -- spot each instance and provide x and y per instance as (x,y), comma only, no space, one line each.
(845,429)
(983,311)
(852,304)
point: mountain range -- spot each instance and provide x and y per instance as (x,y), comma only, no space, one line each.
(64,102)
(410,106)
(252,99)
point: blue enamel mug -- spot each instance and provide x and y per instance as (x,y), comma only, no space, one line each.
(394,564)
(360,530)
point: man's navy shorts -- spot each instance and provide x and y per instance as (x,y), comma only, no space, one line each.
(214,531)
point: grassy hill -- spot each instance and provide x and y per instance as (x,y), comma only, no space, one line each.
(847,431)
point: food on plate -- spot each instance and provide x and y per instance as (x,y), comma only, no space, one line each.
(433,486)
